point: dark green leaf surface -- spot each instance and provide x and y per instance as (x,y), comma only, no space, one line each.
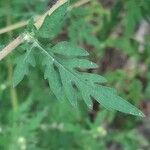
(64,79)
(22,68)
(52,24)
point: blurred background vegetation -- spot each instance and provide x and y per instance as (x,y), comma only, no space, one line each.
(116,33)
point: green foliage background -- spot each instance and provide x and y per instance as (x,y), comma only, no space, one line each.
(30,115)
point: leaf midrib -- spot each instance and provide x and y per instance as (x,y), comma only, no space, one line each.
(58,63)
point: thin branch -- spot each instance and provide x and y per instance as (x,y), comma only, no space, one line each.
(13,27)
(24,23)
(20,39)
(79,3)
(11,46)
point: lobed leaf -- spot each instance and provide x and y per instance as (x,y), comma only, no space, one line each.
(64,65)
(70,81)
(69,49)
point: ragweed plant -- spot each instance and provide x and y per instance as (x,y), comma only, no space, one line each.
(64,63)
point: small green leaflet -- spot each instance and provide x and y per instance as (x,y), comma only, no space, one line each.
(80,30)
(63,62)
(52,24)
(133,16)
(23,62)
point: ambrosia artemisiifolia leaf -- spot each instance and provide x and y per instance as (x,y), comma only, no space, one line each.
(65,79)
(64,68)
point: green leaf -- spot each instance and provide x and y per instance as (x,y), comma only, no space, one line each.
(80,29)
(69,49)
(66,80)
(133,16)
(53,23)
(78,63)
(93,78)
(54,80)
(23,62)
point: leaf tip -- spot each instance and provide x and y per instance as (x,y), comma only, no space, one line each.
(139,113)
(86,53)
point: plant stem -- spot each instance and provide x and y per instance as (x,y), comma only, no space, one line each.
(13,27)
(11,46)
(13,92)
